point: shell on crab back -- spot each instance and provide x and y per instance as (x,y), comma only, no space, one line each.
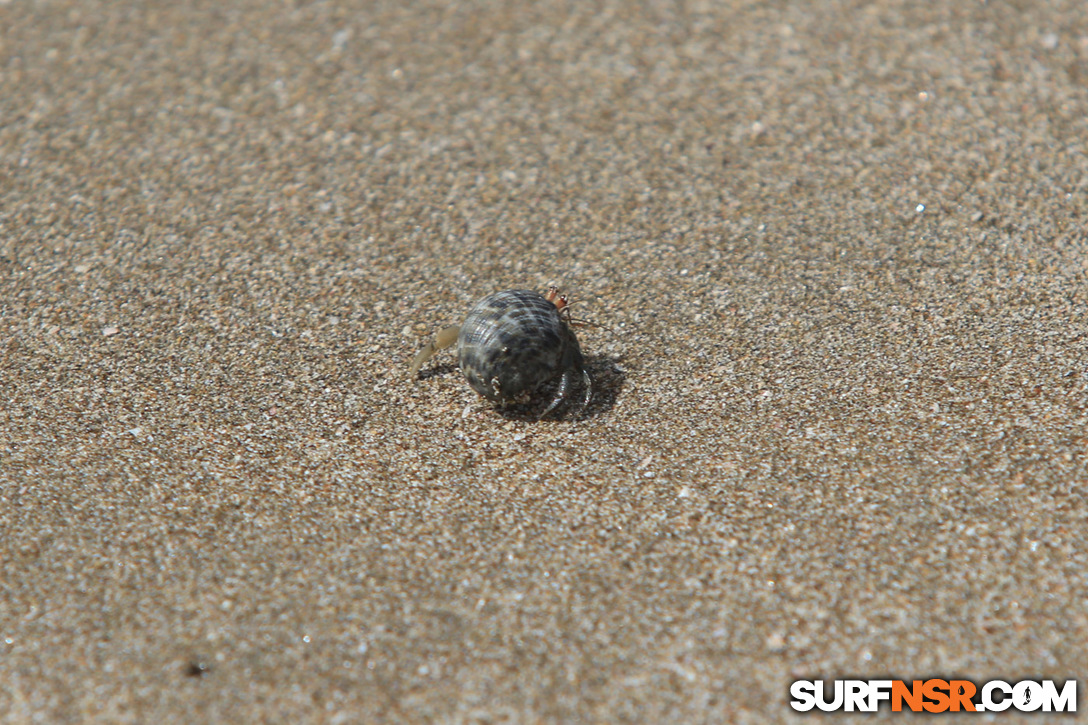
(514,342)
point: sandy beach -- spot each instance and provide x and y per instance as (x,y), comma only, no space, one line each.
(836,258)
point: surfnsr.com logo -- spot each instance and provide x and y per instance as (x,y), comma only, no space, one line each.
(933,695)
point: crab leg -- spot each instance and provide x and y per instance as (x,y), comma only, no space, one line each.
(443,339)
(589,389)
(560,394)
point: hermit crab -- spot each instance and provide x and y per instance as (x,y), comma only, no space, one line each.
(513,345)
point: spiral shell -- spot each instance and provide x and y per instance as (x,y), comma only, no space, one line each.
(514,343)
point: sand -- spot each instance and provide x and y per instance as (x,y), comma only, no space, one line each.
(836,256)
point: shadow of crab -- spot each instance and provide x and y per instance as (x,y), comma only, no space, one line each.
(436,371)
(607,379)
